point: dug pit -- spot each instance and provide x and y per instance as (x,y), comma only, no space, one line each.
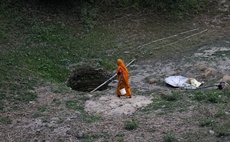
(86,79)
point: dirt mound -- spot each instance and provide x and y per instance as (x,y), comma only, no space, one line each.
(87,78)
(111,105)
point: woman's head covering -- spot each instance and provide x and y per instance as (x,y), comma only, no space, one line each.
(121,64)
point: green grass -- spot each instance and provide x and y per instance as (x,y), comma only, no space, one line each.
(130,125)
(222,53)
(204,122)
(56,101)
(60,88)
(1,105)
(211,96)
(5,120)
(199,135)
(90,118)
(36,51)
(42,108)
(170,137)
(78,105)
(120,137)
(160,104)
(221,111)
(174,96)
(223,129)
(91,137)
(75,105)
(168,103)
(39,112)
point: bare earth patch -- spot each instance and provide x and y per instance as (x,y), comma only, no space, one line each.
(111,105)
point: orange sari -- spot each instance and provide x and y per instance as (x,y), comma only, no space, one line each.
(123,81)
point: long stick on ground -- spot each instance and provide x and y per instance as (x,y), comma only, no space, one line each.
(141,46)
(111,77)
(187,37)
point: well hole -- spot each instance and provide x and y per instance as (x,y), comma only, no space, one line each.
(86,79)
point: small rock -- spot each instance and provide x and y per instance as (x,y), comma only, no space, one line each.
(222,1)
(152,80)
(73,117)
(68,119)
(77,112)
(191,107)
(167,95)
(61,130)
(80,134)
(205,70)
(50,125)
(158,111)
(227,113)
(208,72)
(225,78)
(55,119)
(211,132)
(32,102)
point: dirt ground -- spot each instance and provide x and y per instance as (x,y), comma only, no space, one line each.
(101,116)
(57,123)
(149,76)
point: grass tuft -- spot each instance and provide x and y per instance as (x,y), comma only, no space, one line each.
(223,129)
(75,105)
(90,118)
(169,137)
(5,120)
(25,97)
(212,96)
(207,122)
(174,96)
(56,101)
(131,125)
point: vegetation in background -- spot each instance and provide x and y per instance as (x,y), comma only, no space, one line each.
(36,49)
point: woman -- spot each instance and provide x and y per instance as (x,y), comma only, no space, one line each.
(123,81)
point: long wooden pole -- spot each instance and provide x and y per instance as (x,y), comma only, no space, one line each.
(111,77)
(141,46)
(187,37)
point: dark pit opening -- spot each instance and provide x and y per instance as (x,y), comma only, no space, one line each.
(86,79)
